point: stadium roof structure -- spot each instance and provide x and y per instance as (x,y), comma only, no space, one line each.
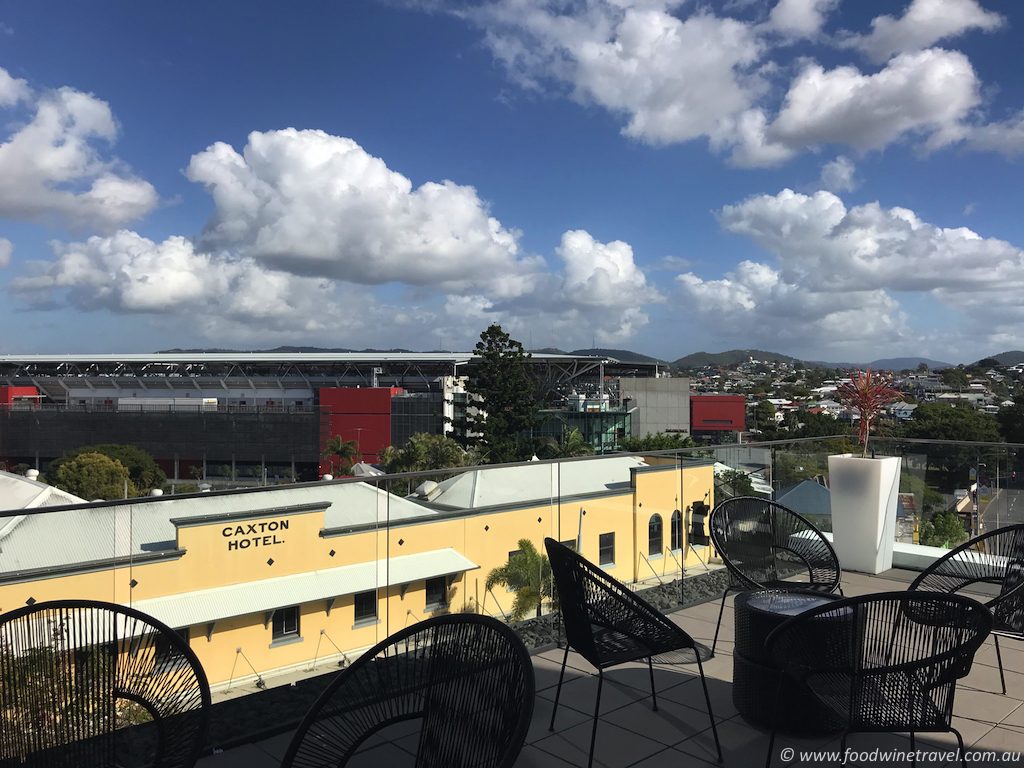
(415,370)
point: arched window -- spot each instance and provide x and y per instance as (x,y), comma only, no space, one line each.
(654,535)
(676,534)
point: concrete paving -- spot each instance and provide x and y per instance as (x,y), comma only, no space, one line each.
(631,735)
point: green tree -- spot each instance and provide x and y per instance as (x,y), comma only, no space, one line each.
(571,445)
(341,454)
(1011,422)
(954,377)
(142,468)
(661,441)
(94,476)
(763,415)
(528,574)
(943,530)
(505,398)
(938,421)
(423,452)
(737,482)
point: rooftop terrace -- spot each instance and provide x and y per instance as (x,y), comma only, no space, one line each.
(631,734)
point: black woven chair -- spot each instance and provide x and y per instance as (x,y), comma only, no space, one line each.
(608,625)
(763,544)
(468,678)
(882,663)
(85,683)
(994,558)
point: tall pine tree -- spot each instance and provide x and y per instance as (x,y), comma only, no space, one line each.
(505,397)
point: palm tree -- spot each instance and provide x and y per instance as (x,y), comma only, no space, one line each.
(571,445)
(344,452)
(528,574)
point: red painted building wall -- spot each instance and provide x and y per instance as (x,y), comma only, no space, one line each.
(9,394)
(360,414)
(717,413)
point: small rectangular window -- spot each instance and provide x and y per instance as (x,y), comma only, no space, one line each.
(607,549)
(165,651)
(571,544)
(514,553)
(286,623)
(366,606)
(437,593)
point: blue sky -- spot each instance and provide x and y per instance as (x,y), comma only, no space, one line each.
(832,179)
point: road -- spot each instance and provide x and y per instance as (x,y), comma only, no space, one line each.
(1004,508)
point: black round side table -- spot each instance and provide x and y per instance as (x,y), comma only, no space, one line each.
(755,679)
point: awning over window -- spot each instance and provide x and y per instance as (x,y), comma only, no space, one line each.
(209,605)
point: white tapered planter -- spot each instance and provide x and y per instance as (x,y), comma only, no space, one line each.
(863,498)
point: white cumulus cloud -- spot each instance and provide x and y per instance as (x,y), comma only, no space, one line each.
(52,167)
(837,270)
(1005,136)
(316,204)
(126,272)
(929,93)
(674,79)
(677,72)
(924,23)
(12,89)
(839,175)
(800,18)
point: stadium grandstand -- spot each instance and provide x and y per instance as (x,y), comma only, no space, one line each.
(256,415)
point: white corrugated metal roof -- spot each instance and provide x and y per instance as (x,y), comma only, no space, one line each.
(92,533)
(19,492)
(526,483)
(209,605)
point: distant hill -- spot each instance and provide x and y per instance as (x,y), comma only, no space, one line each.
(1010,358)
(733,356)
(549,351)
(908,363)
(623,355)
(285,350)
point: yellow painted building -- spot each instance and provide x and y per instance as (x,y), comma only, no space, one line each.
(278,579)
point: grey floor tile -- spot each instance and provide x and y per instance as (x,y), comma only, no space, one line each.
(567,718)
(1000,741)
(692,695)
(531,757)
(581,695)
(546,671)
(615,747)
(670,724)
(989,706)
(744,746)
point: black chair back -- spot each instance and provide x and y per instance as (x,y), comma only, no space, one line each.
(75,674)
(884,662)
(996,557)
(468,678)
(762,543)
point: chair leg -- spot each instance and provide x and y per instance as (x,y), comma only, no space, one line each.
(999,658)
(842,747)
(960,746)
(558,691)
(654,696)
(913,751)
(771,749)
(718,626)
(597,711)
(711,714)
